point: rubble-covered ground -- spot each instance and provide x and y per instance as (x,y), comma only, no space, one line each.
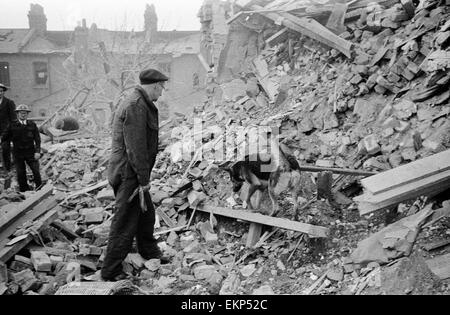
(386,106)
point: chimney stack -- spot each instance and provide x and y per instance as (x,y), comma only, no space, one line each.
(150,23)
(37,19)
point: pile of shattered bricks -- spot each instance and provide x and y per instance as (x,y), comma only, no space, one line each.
(363,90)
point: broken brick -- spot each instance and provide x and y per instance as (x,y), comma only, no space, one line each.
(41,261)
(392,77)
(371,145)
(196,172)
(372,81)
(408,74)
(381,81)
(404,125)
(356,79)
(94,217)
(204,272)
(380,89)
(26,280)
(413,68)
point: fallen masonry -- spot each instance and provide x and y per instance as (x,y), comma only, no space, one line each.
(359,94)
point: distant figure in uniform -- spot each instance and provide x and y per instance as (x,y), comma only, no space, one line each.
(25,137)
(7,116)
(67,124)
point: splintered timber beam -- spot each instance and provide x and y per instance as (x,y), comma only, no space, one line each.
(8,252)
(309,27)
(413,172)
(8,218)
(311,230)
(86,190)
(30,216)
(344,171)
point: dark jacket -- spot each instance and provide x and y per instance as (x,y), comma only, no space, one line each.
(134,139)
(26,139)
(7,113)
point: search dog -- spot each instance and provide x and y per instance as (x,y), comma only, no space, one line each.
(275,172)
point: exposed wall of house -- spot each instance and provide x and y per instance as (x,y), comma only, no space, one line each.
(23,87)
(186,85)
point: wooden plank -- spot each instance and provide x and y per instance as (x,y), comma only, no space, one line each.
(276,35)
(311,230)
(30,216)
(337,17)
(65,230)
(345,171)
(367,207)
(50,250)
(165,218)
(379,55)
(261,70)
(254,234)
(436,245)
(88,189)
(175,229)
(413,188)
(6,219)
(408,173)
(440,266)
(439,214)
(234,17)
(310,28)
(8,252)
(50,163)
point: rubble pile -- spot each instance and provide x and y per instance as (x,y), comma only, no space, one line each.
(364,91)
(75,164)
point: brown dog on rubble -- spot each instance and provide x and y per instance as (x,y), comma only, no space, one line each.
(277,172)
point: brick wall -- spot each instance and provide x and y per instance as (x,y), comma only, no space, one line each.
(23,88)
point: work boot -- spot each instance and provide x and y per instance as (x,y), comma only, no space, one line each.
(119,277)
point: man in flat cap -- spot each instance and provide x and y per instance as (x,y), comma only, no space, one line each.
(134,150)
(7,116)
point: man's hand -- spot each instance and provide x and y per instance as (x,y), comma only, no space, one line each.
(140,191)
(37,156)
(145,188)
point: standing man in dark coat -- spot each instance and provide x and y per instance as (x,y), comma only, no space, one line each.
(134,150)
(7,116)
(24,134)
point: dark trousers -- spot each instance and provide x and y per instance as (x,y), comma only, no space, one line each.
(6,155)
(22,171)
(129,221)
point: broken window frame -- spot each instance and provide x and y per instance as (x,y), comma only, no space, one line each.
(4,73)
(40,67)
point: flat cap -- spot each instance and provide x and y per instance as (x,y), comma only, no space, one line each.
(151,76)
(4,87)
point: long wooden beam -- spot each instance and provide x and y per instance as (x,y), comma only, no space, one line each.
(311,230)
(343,171)
(309,27)
(8,252)
(8,218)
(408,173)
(30,216)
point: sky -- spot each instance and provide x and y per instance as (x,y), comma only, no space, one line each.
(110,14)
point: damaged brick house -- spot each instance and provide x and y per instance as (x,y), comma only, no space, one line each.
(31,63)
(45,68)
